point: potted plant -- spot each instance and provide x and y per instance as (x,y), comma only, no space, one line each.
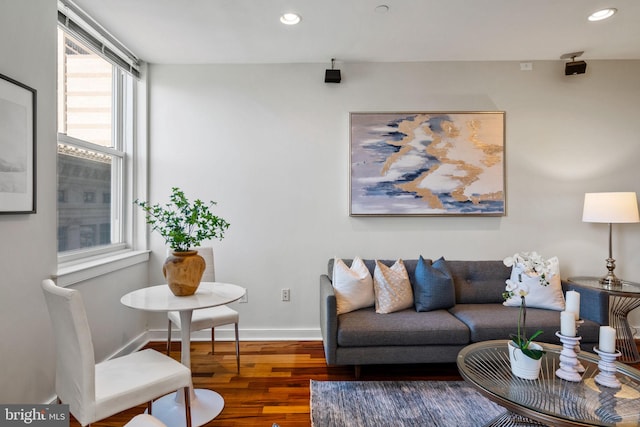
(524,354)
(184,225)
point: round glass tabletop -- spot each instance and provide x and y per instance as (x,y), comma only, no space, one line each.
(625,289)
(549,399)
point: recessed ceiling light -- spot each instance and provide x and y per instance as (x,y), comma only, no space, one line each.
(383,8)
(602,14)
(290,18)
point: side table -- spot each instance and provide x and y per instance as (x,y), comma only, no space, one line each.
(205,404)
(622,300)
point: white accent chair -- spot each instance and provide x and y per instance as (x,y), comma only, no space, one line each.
(145,420)
(208,317)
(95,391)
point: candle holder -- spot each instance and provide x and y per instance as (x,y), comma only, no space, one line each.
(579,366)
(607,367)
(568,359)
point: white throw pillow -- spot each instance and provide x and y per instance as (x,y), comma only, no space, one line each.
(392,287)
(539,296)
(353,286)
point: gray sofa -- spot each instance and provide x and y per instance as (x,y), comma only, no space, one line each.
(363,337)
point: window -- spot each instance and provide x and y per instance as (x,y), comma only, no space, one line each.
(95,120)
(105,233)
(88,236)
(89,197)
(62,237)
(89,152)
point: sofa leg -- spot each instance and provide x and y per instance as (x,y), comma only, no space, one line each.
(357,371)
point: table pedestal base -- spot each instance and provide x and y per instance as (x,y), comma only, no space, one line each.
(205,406)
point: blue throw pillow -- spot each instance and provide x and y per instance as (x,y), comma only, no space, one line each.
(433,286)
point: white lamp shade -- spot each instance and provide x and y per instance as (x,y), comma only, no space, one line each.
(610,207)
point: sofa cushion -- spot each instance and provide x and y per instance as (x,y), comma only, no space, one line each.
(353,286)
(547,296)
(363,328)
(479,282)
(392,288)
(495,322)
(433,286)
(409,264)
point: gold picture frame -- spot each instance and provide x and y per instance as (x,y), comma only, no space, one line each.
(427,163)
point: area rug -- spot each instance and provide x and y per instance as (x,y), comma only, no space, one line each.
(398,404)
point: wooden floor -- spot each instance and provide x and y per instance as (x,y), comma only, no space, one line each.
(273,385)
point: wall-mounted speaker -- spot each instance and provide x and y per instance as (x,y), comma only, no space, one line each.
(575,67)
(332,76)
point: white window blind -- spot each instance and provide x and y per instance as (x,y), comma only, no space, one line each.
(77,23)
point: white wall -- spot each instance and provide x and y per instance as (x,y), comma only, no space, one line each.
(270,144)
(28,245)
(28,241)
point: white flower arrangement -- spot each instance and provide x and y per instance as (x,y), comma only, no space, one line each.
(532,264)
(519,289)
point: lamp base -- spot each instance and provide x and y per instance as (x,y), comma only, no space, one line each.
(610,281)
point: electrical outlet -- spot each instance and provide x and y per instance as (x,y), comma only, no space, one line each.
(286,294)
(245,297)
(526,66)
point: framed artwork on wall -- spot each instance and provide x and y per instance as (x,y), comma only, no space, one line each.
(17,147)
(427,164)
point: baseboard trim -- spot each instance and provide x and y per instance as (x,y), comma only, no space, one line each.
(132,346)
(223,334)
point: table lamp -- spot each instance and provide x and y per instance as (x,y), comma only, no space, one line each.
(621,207)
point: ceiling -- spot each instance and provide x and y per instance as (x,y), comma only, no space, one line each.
(249,31)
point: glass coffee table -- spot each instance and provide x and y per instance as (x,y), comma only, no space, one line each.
(550,400)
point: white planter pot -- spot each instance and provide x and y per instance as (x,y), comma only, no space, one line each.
(523,366)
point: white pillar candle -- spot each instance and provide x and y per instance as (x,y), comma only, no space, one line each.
(573,303)
(568,324)
(607,341)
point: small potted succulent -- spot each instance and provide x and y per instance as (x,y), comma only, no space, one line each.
(184,225)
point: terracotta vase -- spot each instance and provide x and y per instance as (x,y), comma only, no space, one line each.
(522,365)
(183,271)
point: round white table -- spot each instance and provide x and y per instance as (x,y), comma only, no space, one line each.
(205,404)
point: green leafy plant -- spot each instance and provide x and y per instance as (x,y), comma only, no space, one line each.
(184,224)
(520,339)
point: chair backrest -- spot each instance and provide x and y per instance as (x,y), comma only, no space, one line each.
(209,274)
(75,360)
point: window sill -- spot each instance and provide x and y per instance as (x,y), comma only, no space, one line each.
(70,273)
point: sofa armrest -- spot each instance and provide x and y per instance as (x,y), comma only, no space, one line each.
(594,303)
(328,319)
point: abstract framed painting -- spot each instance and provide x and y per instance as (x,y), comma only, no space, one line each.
(17,147)
(427,164)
